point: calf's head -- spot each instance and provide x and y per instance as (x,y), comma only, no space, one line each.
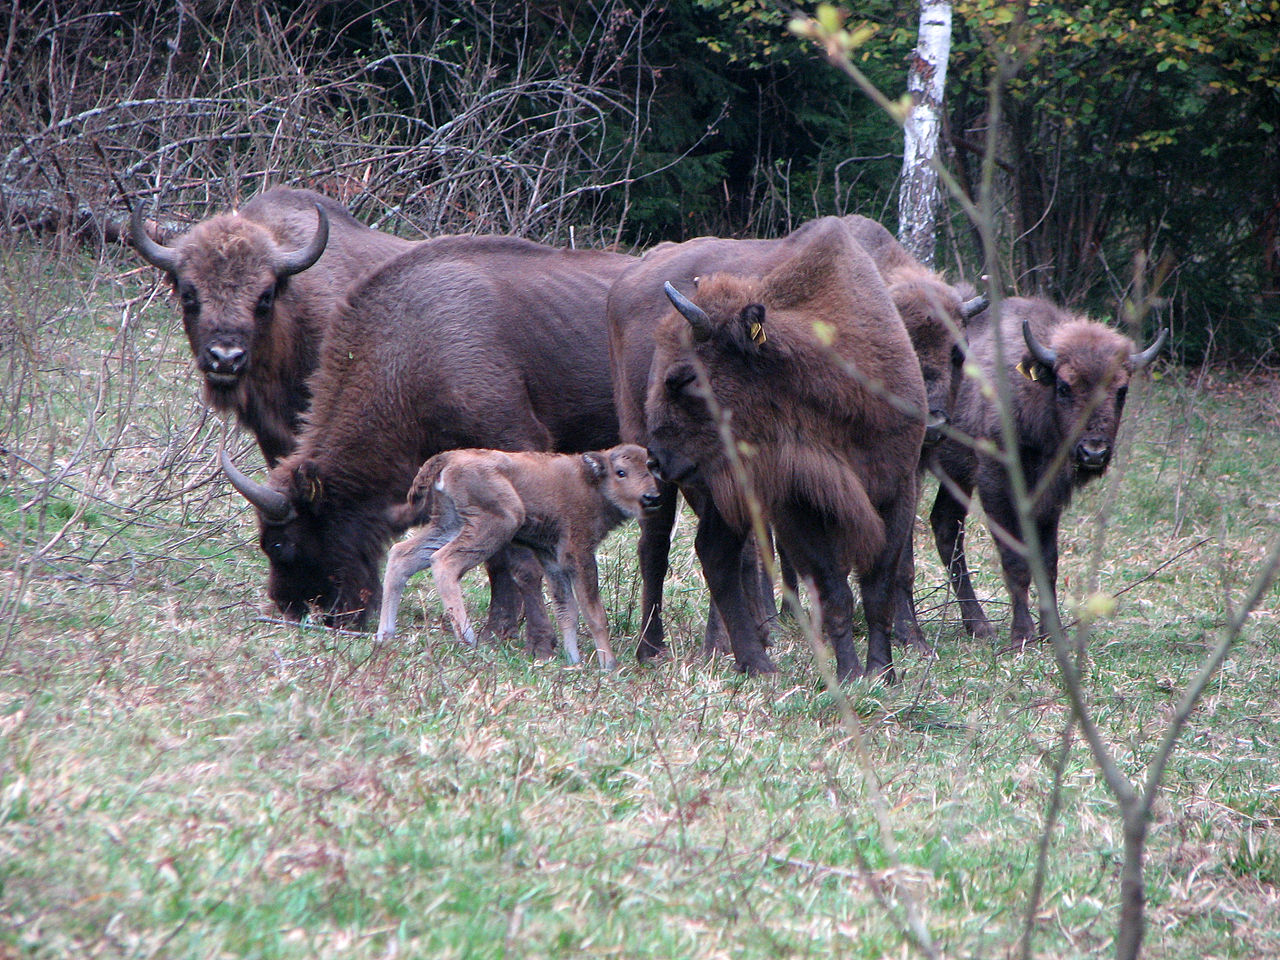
(324,548)
(227,273)
(1087,368)
(625,477)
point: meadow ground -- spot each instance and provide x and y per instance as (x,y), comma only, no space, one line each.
(182,776)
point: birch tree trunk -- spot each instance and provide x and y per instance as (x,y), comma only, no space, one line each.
(918,199)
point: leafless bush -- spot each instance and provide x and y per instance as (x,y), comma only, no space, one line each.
(429,124)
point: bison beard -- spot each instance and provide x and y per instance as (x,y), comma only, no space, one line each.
(460,342)
(830,461)
(1068,378)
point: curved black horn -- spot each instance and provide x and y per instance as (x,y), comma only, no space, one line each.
(696,316)
(1140,360)
(156,254)
(296,261)
(971,308)
(1040,352)
(272,504)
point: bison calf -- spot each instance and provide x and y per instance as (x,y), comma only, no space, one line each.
(559,505)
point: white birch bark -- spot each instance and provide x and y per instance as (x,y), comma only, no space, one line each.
(918,197)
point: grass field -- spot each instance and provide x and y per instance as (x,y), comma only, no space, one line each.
(182,777)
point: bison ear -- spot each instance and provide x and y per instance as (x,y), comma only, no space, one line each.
(308,487)
(594,466)
(752,320)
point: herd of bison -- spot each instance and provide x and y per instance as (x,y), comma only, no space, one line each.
(515,402)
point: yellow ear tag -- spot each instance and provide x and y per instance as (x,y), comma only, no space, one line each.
(1030,369)
(757,333)
(316,490)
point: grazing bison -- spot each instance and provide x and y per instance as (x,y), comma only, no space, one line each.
(1068,377)
(561,506)
(258,288)
(804,360)
(460,342)
(935,314)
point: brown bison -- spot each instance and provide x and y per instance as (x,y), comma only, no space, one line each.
(1068,377)
(258,288)
(460,342)
(636,305)
(561,506)
(816,374)
(935,314)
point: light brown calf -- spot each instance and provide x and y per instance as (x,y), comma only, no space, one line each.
(559,505)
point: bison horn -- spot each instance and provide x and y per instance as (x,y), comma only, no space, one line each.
(696,316)
(1140,360)
(156,254)
(971,308)
(298,260)
(272,504)
(1041,353)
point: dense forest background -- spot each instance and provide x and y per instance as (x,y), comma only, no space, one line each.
(1124,132)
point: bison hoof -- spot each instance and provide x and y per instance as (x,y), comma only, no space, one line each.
(608,664)
(757,666)
(649,650)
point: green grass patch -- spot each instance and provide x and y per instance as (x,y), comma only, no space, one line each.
(181,776)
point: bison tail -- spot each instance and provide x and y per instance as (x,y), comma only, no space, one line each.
(417,506)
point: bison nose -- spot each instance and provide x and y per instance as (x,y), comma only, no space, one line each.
(671,467)
(1093,454)
(226,359)
(933,429)
(650,501)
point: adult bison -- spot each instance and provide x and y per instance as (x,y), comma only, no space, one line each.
(1067,377)
(824,396)
(636,305)
(460,342)
(258,288)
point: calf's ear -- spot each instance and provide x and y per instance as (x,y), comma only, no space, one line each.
(595,467)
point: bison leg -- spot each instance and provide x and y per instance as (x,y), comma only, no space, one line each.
(881,583)
(720,549)
(947,520)
(759,592)
(482,535)
(802,535)
(1017,579)
(561,583)
(655,550)
(906,622)
(407,558)
(539,635)
(588,588)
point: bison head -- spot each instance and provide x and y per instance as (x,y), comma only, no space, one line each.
(324,549)
(935,318)
(625,476)
(228,273)
(1087,366)
(683,435)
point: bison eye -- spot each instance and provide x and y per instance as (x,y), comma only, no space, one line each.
(957,356)
(1064,390)
(679,378)
(622,473)
(187,294)
(265,301)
